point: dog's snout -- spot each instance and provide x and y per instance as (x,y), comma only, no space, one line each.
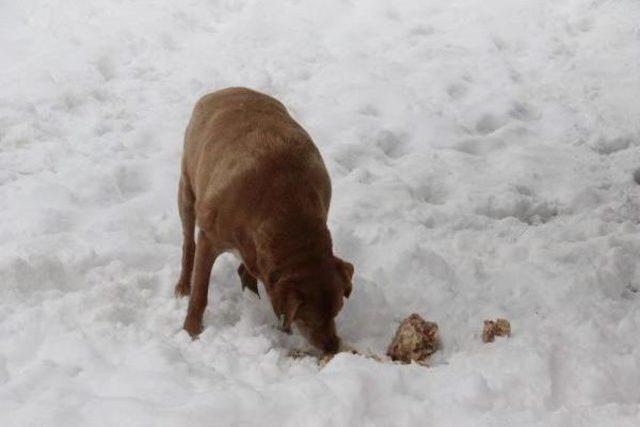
(332,345)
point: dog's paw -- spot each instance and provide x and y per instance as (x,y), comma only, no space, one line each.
(193,327)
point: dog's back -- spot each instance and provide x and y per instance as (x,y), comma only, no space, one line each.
(248,161)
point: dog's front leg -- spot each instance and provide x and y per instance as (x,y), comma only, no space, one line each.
(205,256)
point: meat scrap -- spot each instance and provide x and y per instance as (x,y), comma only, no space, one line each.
(415,340)
(497,328)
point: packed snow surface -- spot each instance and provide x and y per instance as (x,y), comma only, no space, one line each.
(482,157)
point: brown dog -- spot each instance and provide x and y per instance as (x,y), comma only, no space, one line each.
(254,182)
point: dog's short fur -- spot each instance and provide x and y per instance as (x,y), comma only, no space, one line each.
(254,182)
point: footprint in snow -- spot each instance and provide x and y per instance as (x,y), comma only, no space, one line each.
(488,123)
(131,181)
(457,90)
(606,146)
(391,143)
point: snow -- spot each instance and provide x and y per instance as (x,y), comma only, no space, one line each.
(482,157)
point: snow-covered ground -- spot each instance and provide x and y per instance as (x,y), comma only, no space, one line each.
(482,156)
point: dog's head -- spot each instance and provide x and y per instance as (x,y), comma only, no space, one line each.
(312,300)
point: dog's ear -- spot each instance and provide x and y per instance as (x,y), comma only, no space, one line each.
(346,271)
(286,308)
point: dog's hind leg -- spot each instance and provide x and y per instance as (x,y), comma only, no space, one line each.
(186,207)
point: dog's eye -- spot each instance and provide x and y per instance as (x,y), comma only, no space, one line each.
(273,277)
(302,308)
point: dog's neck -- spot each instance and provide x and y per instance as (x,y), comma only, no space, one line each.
(289,246)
